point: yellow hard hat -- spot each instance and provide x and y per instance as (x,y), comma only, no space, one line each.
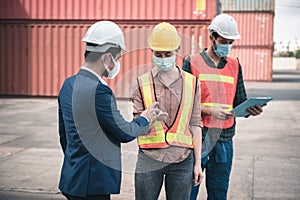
(164,37)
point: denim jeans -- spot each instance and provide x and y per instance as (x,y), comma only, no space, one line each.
(217,167)
(151,173)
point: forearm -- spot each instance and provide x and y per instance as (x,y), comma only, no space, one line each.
(205,110)
(111,120)
(197,143)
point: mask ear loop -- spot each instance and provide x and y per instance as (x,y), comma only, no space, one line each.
(113,60)
(214,44)
(104,63)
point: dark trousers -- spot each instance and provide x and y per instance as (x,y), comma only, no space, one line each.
(217,167)
(151,173)
(94,197)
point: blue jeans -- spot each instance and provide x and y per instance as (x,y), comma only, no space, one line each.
(150,174)
(217,167)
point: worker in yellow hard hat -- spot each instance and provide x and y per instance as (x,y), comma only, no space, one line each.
(171,151)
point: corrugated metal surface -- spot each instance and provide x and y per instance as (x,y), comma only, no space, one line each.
(140,58)
(255,28)
(14,59)
(248,5)
(255,48)
(104,9)
(36,58)
(256,63)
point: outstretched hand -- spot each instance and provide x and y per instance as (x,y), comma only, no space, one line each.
(154,113)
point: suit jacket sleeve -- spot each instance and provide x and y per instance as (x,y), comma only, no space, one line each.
(61,128)
(111,120)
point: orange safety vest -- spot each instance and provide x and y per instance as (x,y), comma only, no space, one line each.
(162,136)
(218,87)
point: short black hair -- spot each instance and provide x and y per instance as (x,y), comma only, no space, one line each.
(215,34)
(90,56)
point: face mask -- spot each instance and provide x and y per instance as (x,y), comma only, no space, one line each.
(223,50)
(115,71)
(164,64)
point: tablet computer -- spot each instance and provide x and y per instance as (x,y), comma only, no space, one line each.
(241,110)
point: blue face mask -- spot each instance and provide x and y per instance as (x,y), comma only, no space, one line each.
(223,50)
(164,64)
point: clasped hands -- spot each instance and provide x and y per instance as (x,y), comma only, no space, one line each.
(154,113)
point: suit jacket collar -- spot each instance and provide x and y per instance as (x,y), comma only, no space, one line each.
(91,75)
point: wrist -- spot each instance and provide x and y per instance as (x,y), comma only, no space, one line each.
(146,117)
(206,110)
(197,161)
(141,121)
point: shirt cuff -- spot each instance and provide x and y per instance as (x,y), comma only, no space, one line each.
(141,121)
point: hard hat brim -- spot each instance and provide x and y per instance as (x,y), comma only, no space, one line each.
(231,37)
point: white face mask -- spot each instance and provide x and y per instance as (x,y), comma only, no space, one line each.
(164,64)
(115,71)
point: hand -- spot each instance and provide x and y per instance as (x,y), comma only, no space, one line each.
(154,113)
(255,110)
(221,113)
(198,174)
(161,116)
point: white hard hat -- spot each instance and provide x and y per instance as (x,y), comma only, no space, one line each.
(225,26)
(105,34)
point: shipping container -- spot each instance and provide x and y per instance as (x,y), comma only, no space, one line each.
(256,62)
(37,57)
(104,9)
(255,28)
(248,5)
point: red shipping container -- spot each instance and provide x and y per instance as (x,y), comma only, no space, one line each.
(37,57)
(104,9)
(256,62)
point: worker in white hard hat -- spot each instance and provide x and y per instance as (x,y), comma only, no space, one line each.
(171,152)
(222,89)
(91,127)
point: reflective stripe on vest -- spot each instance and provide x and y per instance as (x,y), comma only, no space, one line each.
(218,88)
(178,134)
(216,77)
(156,137)
(229,106)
